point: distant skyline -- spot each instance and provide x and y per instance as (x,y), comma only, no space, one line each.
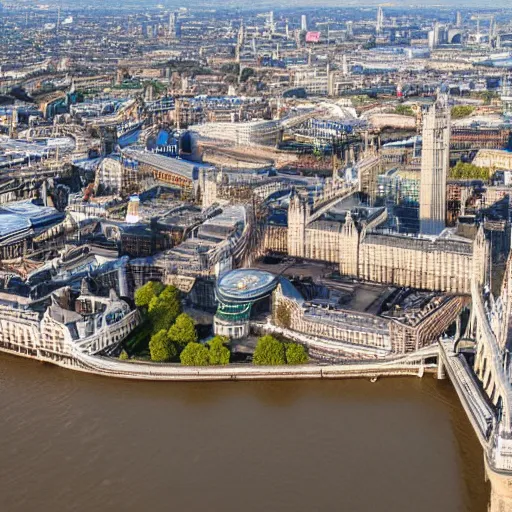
(468,4)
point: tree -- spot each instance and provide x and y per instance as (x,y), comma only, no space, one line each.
(404,110)
(296,354)
(461,111)
(246,74)
(283,315)
(467,171)
(123,356)
(195,354)
(161,347)
(231,68)
(219,354)
(163,315)
(488,96)
(370,44)
(146,293)
(269,351)
(170,293)
(183,331)
(164,309)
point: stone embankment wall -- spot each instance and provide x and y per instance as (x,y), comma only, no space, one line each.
(173,372)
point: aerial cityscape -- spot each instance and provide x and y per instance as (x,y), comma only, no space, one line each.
(262,192)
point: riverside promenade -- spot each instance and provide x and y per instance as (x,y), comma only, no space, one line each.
(411,365)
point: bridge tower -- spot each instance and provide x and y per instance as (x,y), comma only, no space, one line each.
(480,268)
(297,221)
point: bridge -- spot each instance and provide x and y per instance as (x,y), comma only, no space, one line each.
(485,390)
(477,407)
(333,194)
(175,372)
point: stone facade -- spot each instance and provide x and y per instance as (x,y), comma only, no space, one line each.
(443,263)
(435,163)
(385,334)
(96,324)
(416,263)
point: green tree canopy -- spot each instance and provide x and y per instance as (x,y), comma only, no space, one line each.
(487,96)
(466,171)
(183,331)
(283,315)
(164,310)
(246,74)
(195,354)
(219,353)
(123,356)
(161,347)
(296,354)
(163,314)
(232,68)
(404,110)
(169,293)
(146,293)
(461,111)
(269,351)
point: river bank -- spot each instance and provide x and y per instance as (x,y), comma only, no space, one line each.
(137,370)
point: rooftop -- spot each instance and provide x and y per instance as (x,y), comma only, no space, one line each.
(245,285)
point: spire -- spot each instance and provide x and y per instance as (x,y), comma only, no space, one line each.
(84,287)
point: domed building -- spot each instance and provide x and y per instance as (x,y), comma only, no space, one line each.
(241,294)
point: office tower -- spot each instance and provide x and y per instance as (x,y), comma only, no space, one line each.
(172,25)
(492,28)
(1,18)
(345,65)
(304,23)
(435,161)
(458,20)
(380,20)
(350,29)
(241,34)
(434,36)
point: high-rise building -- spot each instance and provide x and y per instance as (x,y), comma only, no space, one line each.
(172,25)
(132,213)
(435,161)
(241,34)
(350,29)
(345,65)
(492,28)
(380,20)
(458,20)
(506,95)
(303,23)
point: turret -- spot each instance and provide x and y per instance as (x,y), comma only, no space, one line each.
(297,220)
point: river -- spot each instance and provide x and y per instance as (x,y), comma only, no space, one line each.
(75,442)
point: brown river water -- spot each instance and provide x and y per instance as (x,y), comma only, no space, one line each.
(74,442)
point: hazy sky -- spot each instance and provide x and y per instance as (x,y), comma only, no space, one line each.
(482,4)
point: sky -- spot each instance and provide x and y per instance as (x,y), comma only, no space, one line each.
(275,4)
